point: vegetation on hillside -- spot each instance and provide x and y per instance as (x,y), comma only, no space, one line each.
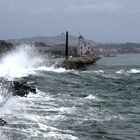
(120,48)
(5,46)
(40,44)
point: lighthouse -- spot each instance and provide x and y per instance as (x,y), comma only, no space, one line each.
(84,47)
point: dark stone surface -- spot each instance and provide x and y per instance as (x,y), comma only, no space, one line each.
(21,89)
(17,88)
(76,66)
(78,63)
(2,122)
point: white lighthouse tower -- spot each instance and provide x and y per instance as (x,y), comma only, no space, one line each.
(84,47)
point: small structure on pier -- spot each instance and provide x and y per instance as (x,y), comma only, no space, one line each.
(84,47)
(84,57)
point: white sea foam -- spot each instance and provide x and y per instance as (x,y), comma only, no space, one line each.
(92,97)
(19,62)
(3,136)
(67,110)
(134,71)
(114,117)
(51,68)
(95,71)
(99,71)
(56,135)
(120,72)
(1,99)
(14,103)
(25,60)
(55,117)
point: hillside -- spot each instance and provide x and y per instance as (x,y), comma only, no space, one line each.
(99,48)
(59,39)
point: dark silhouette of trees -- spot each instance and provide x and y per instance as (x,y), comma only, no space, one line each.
(5,46)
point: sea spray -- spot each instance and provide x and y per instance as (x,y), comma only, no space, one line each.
(20,62)
(25,60)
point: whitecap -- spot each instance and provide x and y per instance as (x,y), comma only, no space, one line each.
(51,69)
(95,71)
(56,135)
(56,117)
(120,72)
(92,97)
(68,110)
(134,71)
(114,117)
(14,103)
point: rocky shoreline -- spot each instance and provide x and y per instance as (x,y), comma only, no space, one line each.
(17,88)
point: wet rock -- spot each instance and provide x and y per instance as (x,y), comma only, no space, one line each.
(21,89)
(73,65)
(78,63)
(2,122)
(16,88)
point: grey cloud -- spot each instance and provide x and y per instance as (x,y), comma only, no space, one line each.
(25,7)
(107,7)
(102,20)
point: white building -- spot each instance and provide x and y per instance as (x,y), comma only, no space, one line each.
(84,47)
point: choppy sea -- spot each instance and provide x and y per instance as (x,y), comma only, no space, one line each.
(101,103)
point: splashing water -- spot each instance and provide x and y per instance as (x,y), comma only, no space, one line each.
(19,62)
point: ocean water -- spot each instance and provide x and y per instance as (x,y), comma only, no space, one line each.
(102,103)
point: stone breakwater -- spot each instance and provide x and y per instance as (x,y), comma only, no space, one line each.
(17,88)
(78,63)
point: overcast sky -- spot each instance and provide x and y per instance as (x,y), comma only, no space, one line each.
(99,20)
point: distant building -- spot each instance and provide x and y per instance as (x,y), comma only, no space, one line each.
(84,47)
(59,49)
